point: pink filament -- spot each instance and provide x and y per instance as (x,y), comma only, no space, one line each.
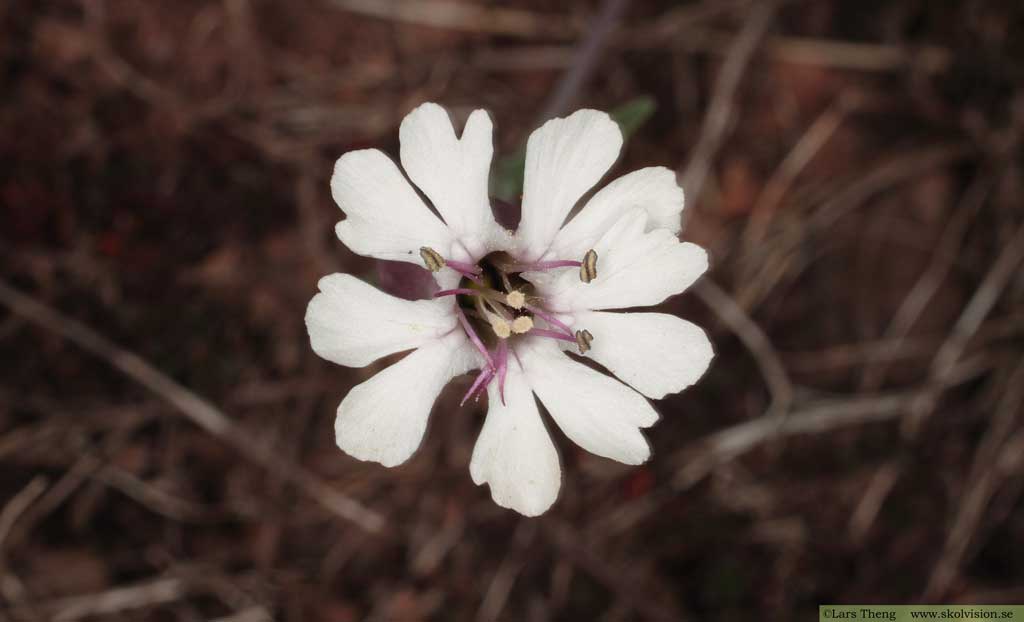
(480,382)
(549,318)
(474,338)
(554,334)
(471,276)
(463,267)
(541,266)
(456,292)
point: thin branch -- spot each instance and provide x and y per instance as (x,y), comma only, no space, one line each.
(584,60)
(137,596)
(979,488)
(464,16)
(201,412)
(741,438)
(616,580)
(504,578)
(924,289)
(733,316)
(775,256)
(17,506)
(720,111)
(980,305)
(832,53)
(816,136)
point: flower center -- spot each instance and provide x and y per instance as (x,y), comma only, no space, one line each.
(495,303)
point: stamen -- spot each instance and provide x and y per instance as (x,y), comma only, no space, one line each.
(496,308)
(496,317)
(515,299)
(550,319)
(469,275)
(473,337)
(459,291)
(463,267)
(583,339)
(431,258)
(481,381)
(505,280)
(548,265)
(588,269)
(501,328)
(522,324)
(434,262)
(554,334)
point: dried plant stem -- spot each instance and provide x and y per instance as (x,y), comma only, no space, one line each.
(17,506)
(201,412)
(921,294)
(970,320)
(137,596)
(584,59)
(617,580)
(978,489)
(463,16)
(816,136)
(720,111)
(733,316)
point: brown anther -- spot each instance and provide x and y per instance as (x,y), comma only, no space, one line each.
(583,339)
(588,268)
(431,259)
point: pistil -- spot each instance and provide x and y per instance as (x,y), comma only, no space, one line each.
(434,262)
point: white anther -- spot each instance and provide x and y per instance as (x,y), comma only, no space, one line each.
(515,299)
(522,324)
(501,328)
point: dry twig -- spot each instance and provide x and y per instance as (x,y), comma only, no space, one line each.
(464,16)
(979,488)
(733,316)
(720,111)
(921,294)
(970,320)
(200,411)
(584,60)
(137,596)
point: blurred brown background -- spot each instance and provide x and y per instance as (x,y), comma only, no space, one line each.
(166,433)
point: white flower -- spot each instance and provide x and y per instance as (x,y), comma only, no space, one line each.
(511,304)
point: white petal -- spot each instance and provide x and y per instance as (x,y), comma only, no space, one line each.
(599,413)
(654,189)
(384,418)
(634,269)
(564,159)
(386,218)
(452,172)
(514,453)
(654,353)
(353,323)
